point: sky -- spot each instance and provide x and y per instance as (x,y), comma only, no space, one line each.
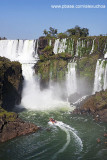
(26,19)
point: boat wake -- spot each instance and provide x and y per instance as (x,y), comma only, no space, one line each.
(68,130)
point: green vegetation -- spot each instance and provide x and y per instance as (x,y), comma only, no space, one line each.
(51,33)
(8,116)
(104,64)
(77,31)
(86,67)
(72,32)
(101,99)
(53,69)
(10,83)
(85,50)
(62,35)
(47,49)
(5,64)
(59,56)
(78,42)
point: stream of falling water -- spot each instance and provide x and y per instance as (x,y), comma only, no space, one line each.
(71,138)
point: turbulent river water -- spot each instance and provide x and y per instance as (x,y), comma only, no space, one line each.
(71,138)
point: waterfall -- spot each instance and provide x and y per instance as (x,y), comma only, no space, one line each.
(105,56)
(18,50)
(77,47)
(83,43)
(25,51)
(92,47)
(56,46)
(105,78)
(105,51)
(59,46)
(71,79)
(100,82)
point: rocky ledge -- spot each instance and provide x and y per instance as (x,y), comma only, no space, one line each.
(11,126)
(11,81)
(95,105)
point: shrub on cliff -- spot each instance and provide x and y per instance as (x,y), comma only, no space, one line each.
(47,49)
(62,35)
(8,116)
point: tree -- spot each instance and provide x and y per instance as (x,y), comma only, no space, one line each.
(45,32)
(52,32)
(3,38)
(71,32)
(77,31)
(85,32)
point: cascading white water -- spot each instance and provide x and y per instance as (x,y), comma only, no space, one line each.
(105,78)
(92,47)
(71,79)
(100,81)
(25,51)
(77,47)
(105,50)
(59,46)
(18,50)
(105,56)
(35,99)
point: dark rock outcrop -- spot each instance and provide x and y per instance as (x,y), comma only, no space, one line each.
(10,94)
(10,83)
(42,43)
(95,105)
(11,126)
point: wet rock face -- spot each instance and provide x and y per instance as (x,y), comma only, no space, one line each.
(11,126)
(95,105)
(42,43)
(10,83)
(12,129)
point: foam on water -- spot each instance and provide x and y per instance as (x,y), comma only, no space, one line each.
(67,129)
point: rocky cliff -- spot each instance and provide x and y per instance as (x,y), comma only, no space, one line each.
(55,54)
(10,83)
(11,126)
(10,94)
(95,105)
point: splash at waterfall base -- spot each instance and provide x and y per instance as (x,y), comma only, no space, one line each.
(56,71)
(45,95)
